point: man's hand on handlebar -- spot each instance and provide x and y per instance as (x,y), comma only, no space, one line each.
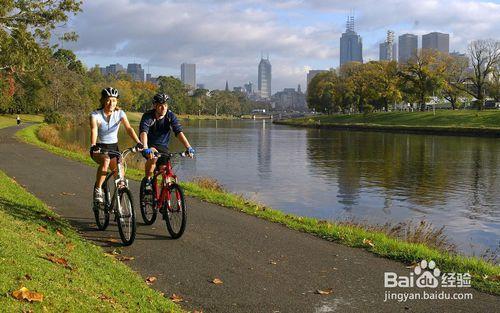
(190,152)
(148,153)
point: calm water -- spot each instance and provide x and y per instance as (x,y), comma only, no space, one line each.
(369,176)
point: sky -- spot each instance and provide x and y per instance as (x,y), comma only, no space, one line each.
(225,39)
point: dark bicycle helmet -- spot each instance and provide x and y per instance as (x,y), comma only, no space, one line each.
(109,92)
(161,98)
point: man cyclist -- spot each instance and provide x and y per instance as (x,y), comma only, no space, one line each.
(154,132)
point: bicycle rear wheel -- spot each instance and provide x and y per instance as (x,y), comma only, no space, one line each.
(101,210)
(126,217)
(146,199)
(174,211)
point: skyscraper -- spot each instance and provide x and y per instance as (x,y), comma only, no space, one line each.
(388,49)
(407,46)
(351,45)
(265,76)
(384,52)
(135,70)
(436,41)
(188,74)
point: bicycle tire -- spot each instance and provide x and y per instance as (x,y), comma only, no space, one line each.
(126,218)
(101,211)
(176,216)
(146,203)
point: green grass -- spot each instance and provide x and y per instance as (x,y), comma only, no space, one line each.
(91,281)
(7,120)
(460,121)
(485,275)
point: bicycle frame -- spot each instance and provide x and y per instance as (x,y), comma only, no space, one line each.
(168,177)
(120,182)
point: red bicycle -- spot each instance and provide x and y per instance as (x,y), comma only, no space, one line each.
(164,195)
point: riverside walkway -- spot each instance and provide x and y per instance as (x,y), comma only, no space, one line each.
(264,267)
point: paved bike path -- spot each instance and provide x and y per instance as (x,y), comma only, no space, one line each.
(264,267)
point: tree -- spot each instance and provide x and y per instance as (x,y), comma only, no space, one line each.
(25,30)
(484,57)
(175,89)
(69,60)
(494,84)
(321,92)
(422,76)
(455,75)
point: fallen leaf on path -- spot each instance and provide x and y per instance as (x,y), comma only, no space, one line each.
(125,258)
(67,193)
(272,262)
(368,242)
(59,233)
(52,258)
(217,281)
(150,280)
(324,292)
(25,294)
(42,229)
(113,240)
(412,266)
(176,298)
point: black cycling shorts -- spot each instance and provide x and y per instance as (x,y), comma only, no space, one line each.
(106,147)
(163,159)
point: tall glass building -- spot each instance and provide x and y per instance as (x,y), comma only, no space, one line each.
(351,44)
(188,74)
(265,76)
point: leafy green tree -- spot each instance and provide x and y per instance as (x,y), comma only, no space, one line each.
(321,92)
(25,30)
(69,60)
(175,89)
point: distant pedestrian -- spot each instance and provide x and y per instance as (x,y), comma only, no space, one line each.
(18,120)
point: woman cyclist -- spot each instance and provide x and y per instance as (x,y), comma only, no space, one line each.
(104,125)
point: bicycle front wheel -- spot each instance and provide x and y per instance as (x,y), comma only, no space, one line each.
(175,211)
(146,200)
(126,217)
(101,210)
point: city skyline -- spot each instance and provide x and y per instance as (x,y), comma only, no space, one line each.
(225,39)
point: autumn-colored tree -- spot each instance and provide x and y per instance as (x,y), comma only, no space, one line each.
(422,76)
(455,75)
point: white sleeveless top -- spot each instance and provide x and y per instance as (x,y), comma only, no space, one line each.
(107,132)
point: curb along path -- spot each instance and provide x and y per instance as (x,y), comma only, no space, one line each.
(264,267)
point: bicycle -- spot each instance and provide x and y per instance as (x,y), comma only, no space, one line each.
(120,203)
(169,200)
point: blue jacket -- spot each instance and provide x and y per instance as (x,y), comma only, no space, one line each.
(159,130)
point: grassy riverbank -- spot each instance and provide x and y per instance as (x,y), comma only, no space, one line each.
(42,252)
(459,122)
(407,248)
